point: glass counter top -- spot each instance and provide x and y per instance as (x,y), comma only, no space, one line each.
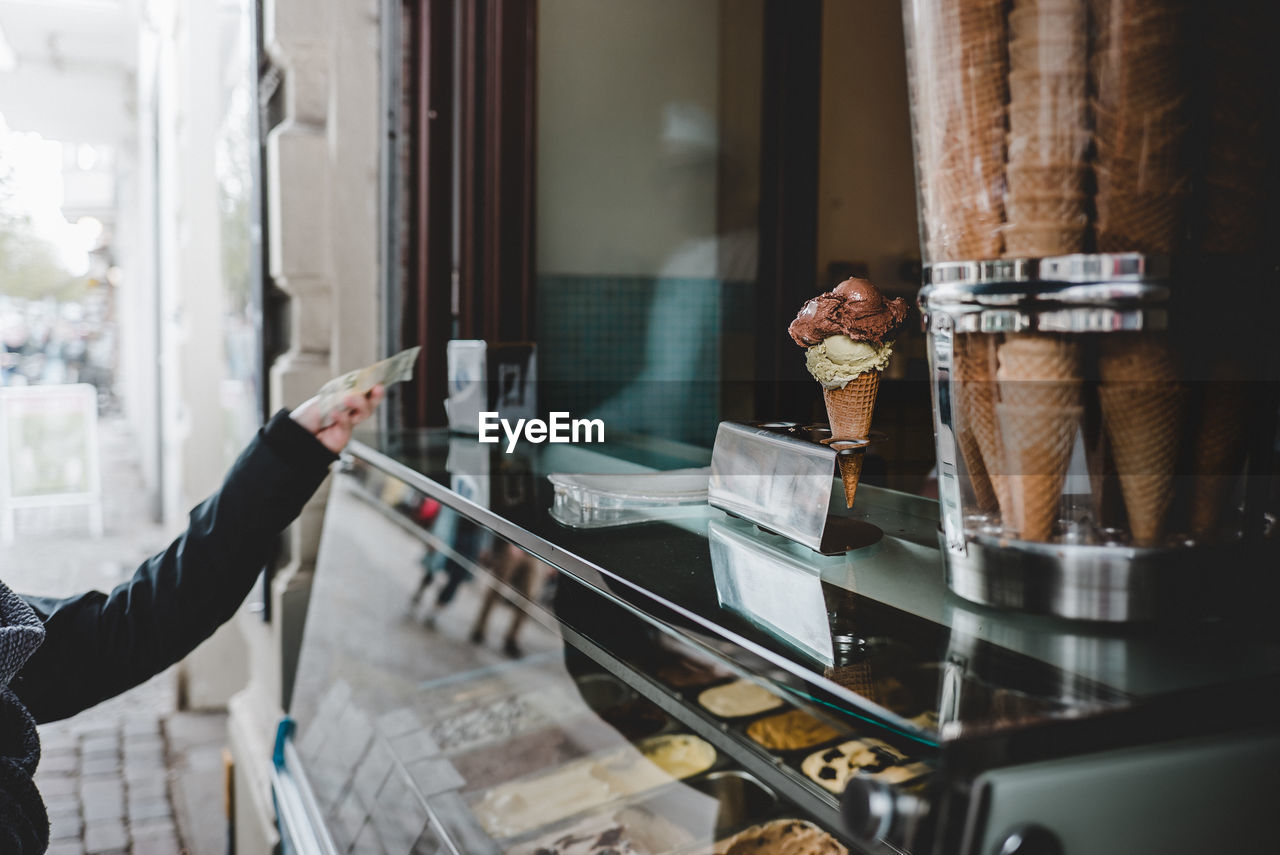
(872,633)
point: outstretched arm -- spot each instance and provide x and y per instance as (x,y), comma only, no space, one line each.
(98,645)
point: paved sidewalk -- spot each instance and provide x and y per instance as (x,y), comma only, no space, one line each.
(118,778)
(106,785)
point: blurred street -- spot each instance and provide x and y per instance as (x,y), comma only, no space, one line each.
(132,775)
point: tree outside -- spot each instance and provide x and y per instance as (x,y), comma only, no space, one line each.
(55,322)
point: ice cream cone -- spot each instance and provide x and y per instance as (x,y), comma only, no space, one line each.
(1053,208)
(1046,21)
(849,412)
(1049,135)
(1038,378)
(974,415)
(857,677)
(1139,69)
(1218,453)
(1144,222)
(1142,403)
(1041,87)
(1047,179)
(1032,240)
(1057,53)
(959,87)
(1068,146)
(1038,443)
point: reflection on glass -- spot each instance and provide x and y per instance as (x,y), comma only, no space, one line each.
(772,591)
(647,196)
(523,750)
(235,151)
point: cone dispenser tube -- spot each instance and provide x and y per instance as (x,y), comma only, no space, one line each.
(1095,188)
(1076,427)
(1050,127)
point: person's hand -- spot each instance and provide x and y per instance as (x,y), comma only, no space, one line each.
(334,432)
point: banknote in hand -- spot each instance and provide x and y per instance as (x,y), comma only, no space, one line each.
(388,371)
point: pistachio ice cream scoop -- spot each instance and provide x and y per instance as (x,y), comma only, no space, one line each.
(837,360)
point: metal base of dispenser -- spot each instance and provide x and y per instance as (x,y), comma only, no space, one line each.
(1095,583)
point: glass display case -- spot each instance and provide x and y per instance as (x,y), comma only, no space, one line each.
(693,684)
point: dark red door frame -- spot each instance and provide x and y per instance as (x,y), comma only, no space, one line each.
(791,110)
(427,297)
(496,271)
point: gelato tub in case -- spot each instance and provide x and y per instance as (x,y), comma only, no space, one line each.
(737,699)
(684,672)
(833,767)
(781,837)
(516,807)
(632,830)
(790,731)
(504,718)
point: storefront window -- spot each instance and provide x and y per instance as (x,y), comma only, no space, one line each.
(239,240)
(647,180)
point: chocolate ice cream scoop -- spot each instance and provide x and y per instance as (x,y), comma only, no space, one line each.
(855,308)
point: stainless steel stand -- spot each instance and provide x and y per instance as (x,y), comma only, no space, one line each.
(780,476)
(1097,583)
(1093,577)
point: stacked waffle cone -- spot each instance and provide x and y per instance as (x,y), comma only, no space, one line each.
(849,412)
(1142,409)
(1039,381)
(960,96)
(1141,121)
(1046,206)
(977,434)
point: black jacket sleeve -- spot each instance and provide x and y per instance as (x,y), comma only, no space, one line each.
(98,645)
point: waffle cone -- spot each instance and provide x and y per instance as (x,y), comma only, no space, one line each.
(1058,52)
(1138,222)
(1032,240)
(1066,210)
(1038,359)
(1219,453)
(1139,66)
(1047,117)
(1047,178)
(1037,443)
(1142,404)
(1039,380)
(1046,21)
(1069,146)
(960,95)
(974,416)
(849,412)
(857,677)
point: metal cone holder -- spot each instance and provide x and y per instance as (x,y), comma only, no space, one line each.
(783,477)
(1084,571)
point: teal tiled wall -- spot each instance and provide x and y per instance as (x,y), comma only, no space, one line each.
(644,354)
